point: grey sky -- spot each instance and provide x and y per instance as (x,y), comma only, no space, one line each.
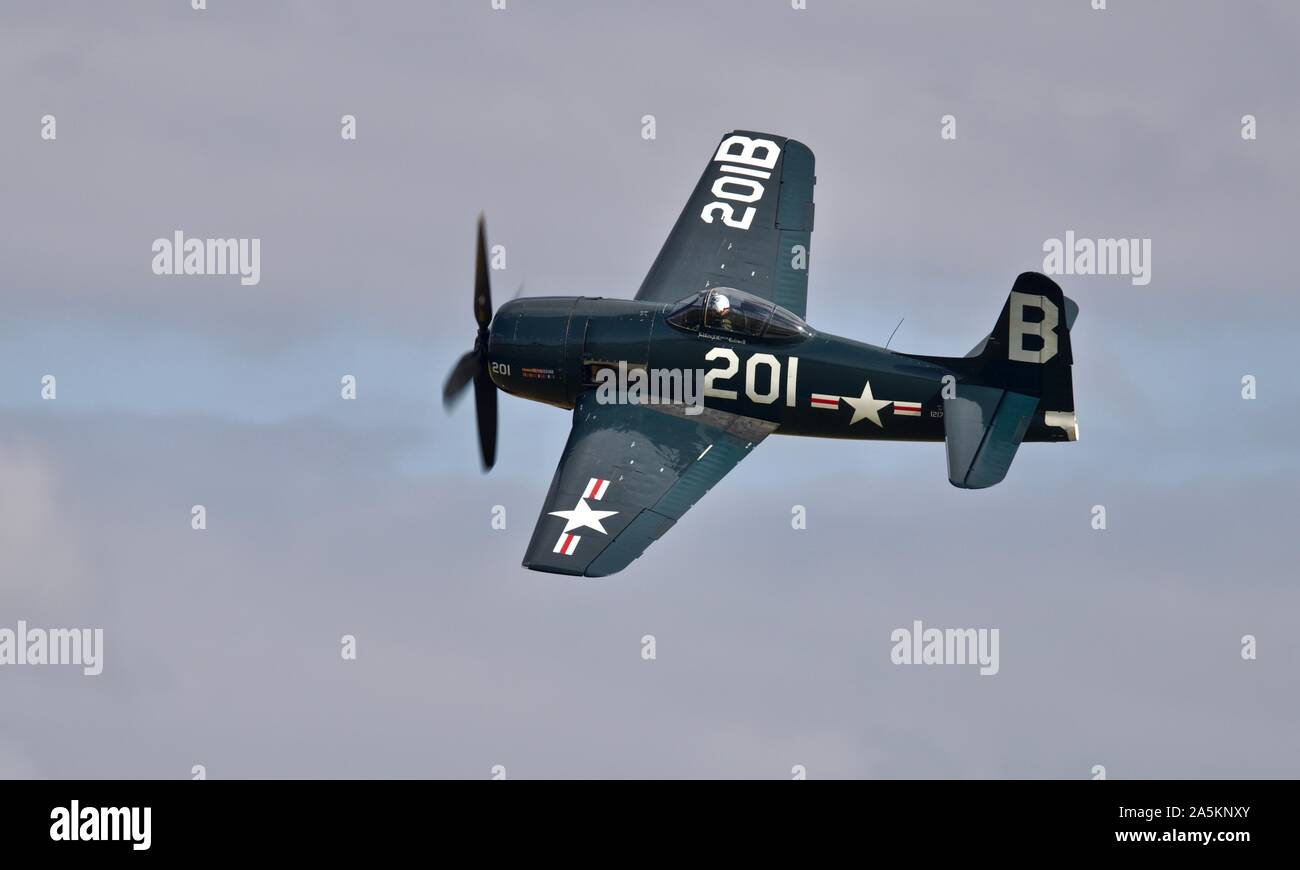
(327,517)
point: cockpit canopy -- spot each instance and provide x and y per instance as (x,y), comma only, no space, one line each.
(727,310)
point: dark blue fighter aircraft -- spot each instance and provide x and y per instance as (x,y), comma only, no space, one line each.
(727,297)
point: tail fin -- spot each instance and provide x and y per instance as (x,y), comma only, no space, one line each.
(1015,386)
(1029,349)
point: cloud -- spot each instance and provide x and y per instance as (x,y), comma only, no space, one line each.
(40,531)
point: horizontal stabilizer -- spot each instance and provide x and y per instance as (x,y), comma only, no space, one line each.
(983,427)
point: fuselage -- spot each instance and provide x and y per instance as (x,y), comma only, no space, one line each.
(551,349)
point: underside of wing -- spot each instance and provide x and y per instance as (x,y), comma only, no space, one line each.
(628,473)
(747,225)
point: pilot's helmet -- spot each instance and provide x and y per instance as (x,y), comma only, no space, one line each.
(721,305)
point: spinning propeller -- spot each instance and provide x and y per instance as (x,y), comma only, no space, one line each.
(473,366)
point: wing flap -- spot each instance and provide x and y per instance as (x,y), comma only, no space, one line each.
(643,531)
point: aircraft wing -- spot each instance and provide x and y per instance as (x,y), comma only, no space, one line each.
(628,473)
(747,225)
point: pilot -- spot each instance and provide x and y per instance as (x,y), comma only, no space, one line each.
(721,313)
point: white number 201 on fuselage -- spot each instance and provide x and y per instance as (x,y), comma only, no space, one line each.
(730,366)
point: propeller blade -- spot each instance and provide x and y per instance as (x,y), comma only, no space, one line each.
(461,374)
(482,286)
(485,401)
(473,366)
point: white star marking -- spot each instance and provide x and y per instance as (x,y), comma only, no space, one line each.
(867,406)
(583,516)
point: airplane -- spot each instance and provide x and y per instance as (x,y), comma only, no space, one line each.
(727,296)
